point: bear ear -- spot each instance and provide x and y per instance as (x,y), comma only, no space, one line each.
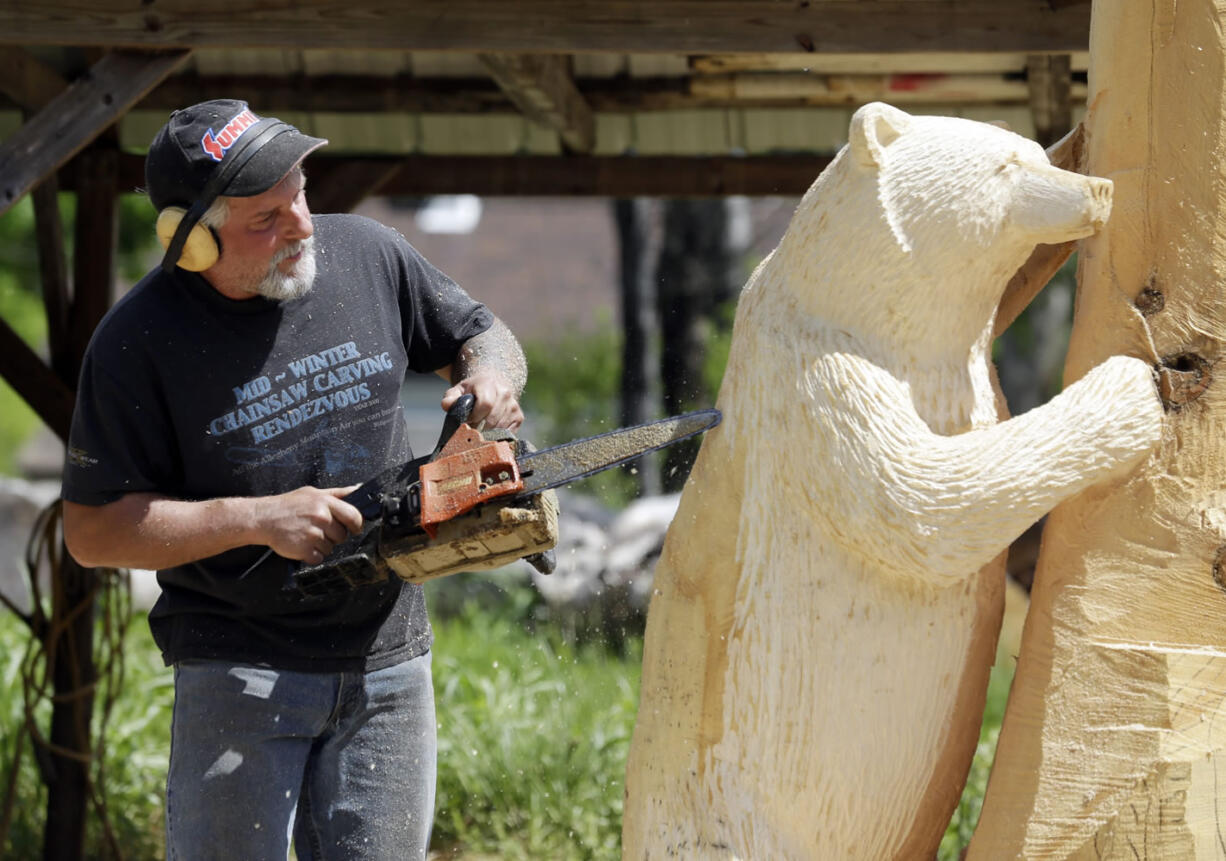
(873,128)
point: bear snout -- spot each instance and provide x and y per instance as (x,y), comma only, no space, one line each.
(1055,205)
(1101,191)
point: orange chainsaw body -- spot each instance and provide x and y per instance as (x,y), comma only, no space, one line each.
(468,471)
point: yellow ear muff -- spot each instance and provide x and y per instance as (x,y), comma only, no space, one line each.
(200,251)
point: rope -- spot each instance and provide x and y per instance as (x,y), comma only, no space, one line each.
(52,628)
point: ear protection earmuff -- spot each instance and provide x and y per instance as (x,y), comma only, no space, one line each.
(189,244)
(200,249)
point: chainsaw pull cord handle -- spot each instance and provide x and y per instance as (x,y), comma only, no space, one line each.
(457,415)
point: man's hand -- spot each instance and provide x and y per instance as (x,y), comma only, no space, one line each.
(497,402)
(491,367)
(306,523)
(148,530)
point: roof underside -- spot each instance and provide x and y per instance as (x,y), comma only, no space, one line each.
(439,103)
(548,81)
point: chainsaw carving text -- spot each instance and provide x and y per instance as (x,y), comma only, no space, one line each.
(819,642)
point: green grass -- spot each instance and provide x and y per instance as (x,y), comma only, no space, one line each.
(966,815)
(533,738)
(136,751)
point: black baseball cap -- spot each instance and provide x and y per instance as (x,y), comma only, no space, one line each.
(187,151)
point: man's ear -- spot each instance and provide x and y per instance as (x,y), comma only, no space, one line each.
(873,128)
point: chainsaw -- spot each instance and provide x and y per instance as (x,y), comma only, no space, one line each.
(480,500)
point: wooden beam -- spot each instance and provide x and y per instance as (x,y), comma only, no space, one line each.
(607,176)
(963,63)
(53,271)
(75,117)
(33,85)
(549,26)
(370,94)
(27,80)
(798,88)
(94,252)
(37,384)
(337,185)
(542,87)
(553,176)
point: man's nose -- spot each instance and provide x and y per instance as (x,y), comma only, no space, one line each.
(299,224)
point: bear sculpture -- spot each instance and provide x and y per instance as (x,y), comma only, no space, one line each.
(826,607)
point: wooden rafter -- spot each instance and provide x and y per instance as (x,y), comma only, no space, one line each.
(746,89)
(548,26)
(370,94)
(77,116)
(542,87)
(32,85)
(53,271)
(340,185)
(37,384)
(546,176)
(607,176)
(928,62)
(94,254)
(28,81)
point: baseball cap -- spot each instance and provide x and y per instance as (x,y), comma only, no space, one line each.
(189,148)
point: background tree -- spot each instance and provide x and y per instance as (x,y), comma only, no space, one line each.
(693,281)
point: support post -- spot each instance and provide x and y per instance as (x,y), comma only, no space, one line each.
(73,599)
(73,676)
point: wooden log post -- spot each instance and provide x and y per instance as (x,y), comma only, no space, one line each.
(1113,743)
(73,599)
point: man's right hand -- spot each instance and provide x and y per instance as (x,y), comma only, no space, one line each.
(148,530)
(305,524)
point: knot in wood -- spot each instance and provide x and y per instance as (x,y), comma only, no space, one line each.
(1219,568)
(1182,378)
(1150,301)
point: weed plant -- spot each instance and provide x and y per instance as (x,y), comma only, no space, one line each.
(137,747)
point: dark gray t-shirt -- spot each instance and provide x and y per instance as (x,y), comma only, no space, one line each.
(189,394)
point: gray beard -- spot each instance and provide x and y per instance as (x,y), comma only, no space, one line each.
(297,283)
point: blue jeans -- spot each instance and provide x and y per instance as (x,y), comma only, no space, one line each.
(343,762)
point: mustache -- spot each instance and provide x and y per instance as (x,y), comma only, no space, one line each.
(292,249)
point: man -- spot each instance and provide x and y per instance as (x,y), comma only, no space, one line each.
(229,410)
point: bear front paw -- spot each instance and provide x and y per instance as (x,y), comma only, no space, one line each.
(1124,390)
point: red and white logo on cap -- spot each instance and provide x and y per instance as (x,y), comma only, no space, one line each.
(217,144)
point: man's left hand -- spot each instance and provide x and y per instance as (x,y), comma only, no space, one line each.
(497,404)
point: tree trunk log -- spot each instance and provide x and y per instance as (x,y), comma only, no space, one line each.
(1111,746)
(631,217)
(692,276)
